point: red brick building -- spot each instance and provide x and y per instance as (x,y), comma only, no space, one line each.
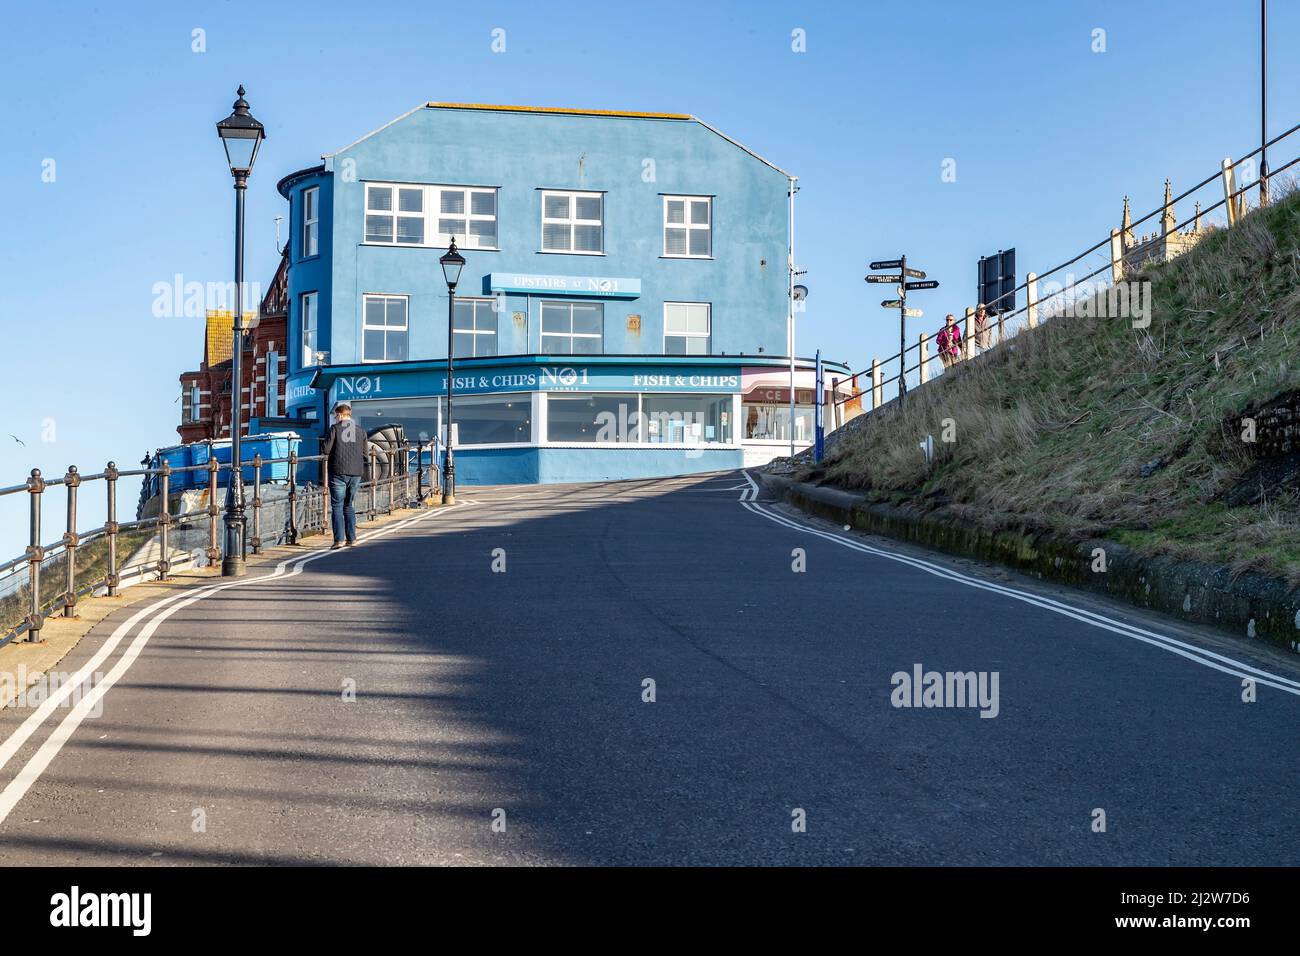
(205,392)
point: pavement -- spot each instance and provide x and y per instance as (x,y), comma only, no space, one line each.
(639,673)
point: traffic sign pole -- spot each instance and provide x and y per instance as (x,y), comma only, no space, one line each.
(901,277)
(902,336)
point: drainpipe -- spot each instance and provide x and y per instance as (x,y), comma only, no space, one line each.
(790,308)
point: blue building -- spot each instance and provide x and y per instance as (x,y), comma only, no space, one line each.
(624,310)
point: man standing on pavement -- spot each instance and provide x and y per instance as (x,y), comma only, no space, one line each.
(345,448)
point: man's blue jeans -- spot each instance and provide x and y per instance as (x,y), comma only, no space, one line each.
(343,492)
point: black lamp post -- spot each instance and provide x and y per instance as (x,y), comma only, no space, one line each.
(1263,102)
(452,262)
(241,135)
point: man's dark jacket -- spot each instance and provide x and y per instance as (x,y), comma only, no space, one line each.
(346,447)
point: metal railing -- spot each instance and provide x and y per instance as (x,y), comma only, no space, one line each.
(1004,328)
(397,478)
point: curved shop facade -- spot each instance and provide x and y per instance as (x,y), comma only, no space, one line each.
(542,418)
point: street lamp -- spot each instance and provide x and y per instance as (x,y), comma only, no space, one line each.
(1263,102)
(452,262)
(241,135)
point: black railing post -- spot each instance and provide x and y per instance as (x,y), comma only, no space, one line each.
(390,504)
(110,527)
(370,466)
(164,520)
(327,503)
(256,543)
(72,480)
(419,472)
(35,554)
(406,475)
(291,535)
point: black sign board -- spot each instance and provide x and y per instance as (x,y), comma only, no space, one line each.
(887,264)
(930,284)
(894,277)
(915,273)
(997,282)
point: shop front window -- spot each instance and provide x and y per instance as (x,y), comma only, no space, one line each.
(598,418)
(493,419)
(687,419)
(772,422)
(420,418)
(478,419)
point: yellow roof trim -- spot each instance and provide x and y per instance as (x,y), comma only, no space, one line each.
(562,111)
(558,109)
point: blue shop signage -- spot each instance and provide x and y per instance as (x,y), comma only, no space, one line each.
(533,378)
(607,286)
(298,388)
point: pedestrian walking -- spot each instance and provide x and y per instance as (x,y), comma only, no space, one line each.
(949,342)
(345,448)
(982,331)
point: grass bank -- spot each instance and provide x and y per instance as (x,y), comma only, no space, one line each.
(1092,428)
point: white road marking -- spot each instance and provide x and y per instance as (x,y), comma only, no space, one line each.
(1206,658)
(36,765)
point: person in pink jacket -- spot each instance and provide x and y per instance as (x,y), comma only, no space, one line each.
(949,342)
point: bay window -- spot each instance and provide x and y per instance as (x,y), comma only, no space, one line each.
(310,222)
(307,323)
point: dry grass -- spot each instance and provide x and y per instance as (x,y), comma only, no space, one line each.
(1090,427)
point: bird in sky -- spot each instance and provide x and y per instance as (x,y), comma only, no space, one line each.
(17,439)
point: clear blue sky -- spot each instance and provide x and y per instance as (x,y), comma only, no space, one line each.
(1047,136)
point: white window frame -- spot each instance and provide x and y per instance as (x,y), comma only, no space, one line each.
(308,331)
(475,332)
(310,222)
(572,221)
(570,335)
(707,336)
(463,239)
(431,215)
(688,226)
(196,402)
(406,328)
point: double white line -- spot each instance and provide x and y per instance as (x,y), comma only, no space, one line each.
(1200,655)
(155,613)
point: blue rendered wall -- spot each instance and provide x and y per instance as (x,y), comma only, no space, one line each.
(605,464)
(521,153)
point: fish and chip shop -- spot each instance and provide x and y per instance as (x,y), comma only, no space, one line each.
(607,324)
(551,419)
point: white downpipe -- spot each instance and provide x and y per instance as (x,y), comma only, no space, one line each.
(790,309)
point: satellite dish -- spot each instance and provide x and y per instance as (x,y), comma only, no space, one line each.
(800,293)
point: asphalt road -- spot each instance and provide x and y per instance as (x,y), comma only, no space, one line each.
(485,697)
